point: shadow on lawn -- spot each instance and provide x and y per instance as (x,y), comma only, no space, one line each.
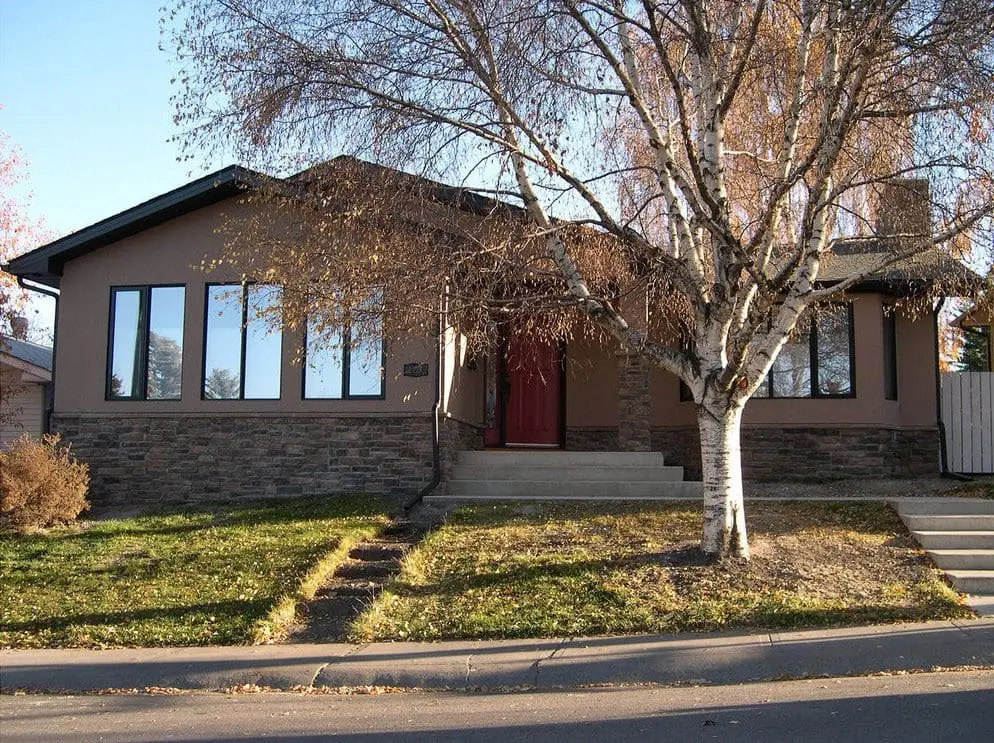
(681,555)
(246,608)
(226,514)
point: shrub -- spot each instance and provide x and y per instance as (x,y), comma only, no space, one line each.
(41,484)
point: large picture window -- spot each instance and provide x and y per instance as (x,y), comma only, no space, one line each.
(145,348)
(818,359)
(243,356)
(341,364)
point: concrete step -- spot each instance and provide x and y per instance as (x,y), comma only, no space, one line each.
(543,489)
(979,559)
(950,522)
(973,581)
(942,506)
(379,551)
(566,473)
(544,457)
(367,569)
(363,589)
(939,540)
(440,500)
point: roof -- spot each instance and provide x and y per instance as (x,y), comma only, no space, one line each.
(44,265)
(977,315)
(29,353)
(850,257)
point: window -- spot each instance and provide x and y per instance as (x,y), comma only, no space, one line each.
(890,354)
(145,347)
(817,361)
(340,366)
(243,357)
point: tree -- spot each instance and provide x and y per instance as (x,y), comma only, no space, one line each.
(165,368)
(221,384)
(975,355)
(18,232)
(681,166)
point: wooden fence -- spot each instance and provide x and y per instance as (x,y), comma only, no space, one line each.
(968,416)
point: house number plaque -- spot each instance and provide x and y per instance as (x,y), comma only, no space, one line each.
(415,370)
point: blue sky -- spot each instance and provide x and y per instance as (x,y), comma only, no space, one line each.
(85,91)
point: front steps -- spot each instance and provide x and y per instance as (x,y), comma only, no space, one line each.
(561,475)
(355,584)
(958,534)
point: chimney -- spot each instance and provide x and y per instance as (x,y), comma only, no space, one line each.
(904,208)
(19,327)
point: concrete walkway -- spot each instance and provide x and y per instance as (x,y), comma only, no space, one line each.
(725,658)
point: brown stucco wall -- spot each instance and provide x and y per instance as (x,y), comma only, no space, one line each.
(167,254)
(593,376)
(863,436)
(591,383)
(462,386)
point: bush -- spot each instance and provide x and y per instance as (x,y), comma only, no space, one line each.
(41,484)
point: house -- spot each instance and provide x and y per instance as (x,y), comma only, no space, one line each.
(177,392)
(976,323)
(25,376)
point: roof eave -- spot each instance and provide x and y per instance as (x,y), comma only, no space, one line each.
(44,264)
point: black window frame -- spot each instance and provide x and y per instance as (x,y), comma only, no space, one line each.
(141,342)
(243,286)
(813,361)
(346,368)
(891,389)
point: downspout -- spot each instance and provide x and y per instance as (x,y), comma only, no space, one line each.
(436,475)
(50,396)
(943,454)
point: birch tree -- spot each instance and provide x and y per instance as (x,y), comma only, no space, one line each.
(701,155)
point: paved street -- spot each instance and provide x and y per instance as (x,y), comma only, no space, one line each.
(933,707)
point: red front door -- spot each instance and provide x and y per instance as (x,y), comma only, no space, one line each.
(533,392)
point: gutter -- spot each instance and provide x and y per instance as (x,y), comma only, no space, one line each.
(436,462)
(50,397)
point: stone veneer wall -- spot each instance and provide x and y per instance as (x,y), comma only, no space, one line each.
(634,402)
(593,439)
(455,436)
(794,454)
(144,459)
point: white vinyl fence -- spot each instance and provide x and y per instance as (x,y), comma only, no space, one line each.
(968,416)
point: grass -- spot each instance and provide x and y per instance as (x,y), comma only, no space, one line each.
(981,487)
(210,575)
(516,571)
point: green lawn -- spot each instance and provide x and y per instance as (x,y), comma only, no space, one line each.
(209,575)
(564,570)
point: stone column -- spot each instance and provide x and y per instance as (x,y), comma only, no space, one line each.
(634,387)
(634,404)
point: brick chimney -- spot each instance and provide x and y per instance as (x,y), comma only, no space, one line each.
(904,207)
(19,327)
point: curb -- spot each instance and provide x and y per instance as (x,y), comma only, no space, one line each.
(723,658)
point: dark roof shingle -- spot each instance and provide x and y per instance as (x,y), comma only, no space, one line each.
(30,353)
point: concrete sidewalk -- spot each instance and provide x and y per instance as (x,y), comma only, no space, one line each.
(725,658)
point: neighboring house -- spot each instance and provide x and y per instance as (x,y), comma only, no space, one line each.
(978,351)
(26,376)
(171,396)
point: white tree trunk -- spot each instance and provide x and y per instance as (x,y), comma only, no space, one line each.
(719,422)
